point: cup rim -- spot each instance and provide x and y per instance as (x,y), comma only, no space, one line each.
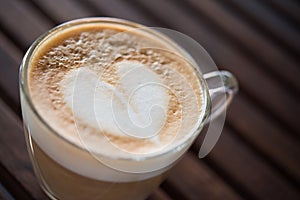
(23,83)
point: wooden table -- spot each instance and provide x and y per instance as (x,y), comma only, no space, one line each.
(258,154)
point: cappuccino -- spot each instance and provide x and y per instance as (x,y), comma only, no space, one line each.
(116,105)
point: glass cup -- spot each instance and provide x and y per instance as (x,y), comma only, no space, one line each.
(65,176)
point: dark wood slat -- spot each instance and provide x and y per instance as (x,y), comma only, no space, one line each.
(61,11)
(13,51)
(10,59)
(268,22)
(252,79)
(13,185)
(259,46)
(159,195)
(8,78)
(120,9)
(14,156)
(247,170)
(288,8)
(192,179)
(22,22)
(4,194)
(268,138)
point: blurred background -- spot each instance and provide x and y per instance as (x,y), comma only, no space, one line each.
(258,153)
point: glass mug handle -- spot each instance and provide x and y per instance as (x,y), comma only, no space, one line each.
(222,87)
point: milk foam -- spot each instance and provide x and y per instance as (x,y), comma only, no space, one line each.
(108,92)
(121,110)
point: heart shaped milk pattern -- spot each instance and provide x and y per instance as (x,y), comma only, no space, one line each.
(135,105)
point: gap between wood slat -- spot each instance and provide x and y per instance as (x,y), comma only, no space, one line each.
(12,36)
(159,195)
(17,172)
(61,11)
(232,159)
(265,137)
(227,177)
(22,23)
(42,12)
(4,194)
(291,131)
(9,61)
(12,184)
(265,54)
(287,9)
(119,9)
(193,179)
(123,9)
(277,167)
(90,7)
(269,29)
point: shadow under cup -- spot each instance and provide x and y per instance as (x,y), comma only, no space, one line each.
(59,171)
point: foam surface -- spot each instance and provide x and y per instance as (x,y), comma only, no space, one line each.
(115,92)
